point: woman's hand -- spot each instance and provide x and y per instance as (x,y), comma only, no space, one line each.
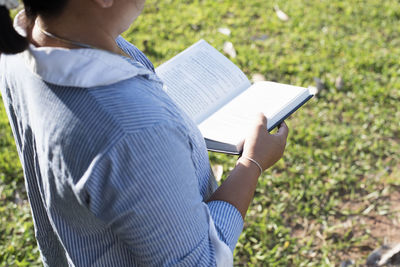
(263,147)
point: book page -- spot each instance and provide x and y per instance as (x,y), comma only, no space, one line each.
(232,122)
(201,80)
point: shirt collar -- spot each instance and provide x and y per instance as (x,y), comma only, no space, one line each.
(78,67)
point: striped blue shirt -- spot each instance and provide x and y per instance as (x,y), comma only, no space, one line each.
(116,174)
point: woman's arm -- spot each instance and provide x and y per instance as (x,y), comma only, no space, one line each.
(146,190)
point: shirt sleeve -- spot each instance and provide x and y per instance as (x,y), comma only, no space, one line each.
(146,190)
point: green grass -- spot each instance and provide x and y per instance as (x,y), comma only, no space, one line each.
(343,155)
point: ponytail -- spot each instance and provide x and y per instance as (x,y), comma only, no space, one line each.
(10,41)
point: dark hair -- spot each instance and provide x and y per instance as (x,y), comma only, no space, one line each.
(10,41)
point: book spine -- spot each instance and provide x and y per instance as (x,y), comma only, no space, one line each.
(290,113)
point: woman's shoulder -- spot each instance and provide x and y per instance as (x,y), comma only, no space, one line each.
(134,52)
(137,103)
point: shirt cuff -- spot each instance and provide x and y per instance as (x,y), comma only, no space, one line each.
(228,222)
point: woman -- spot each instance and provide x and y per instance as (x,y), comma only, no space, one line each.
(116,174)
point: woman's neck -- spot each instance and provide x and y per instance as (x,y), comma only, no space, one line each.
(101,39)
(93,23)
(72,28)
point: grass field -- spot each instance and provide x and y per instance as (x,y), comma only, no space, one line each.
(335,193)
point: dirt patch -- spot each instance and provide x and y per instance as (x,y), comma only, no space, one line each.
(387,228)
(370,223)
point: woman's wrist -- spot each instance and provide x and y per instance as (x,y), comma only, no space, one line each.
(250,167)
(252,162)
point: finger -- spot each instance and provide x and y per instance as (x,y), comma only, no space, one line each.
(283,130)
(261,119)
(260,122)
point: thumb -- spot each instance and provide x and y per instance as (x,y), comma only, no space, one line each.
(261,120)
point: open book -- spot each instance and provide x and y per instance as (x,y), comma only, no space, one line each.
(220,99)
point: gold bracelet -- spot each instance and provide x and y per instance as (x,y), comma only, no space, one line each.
(255,162)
